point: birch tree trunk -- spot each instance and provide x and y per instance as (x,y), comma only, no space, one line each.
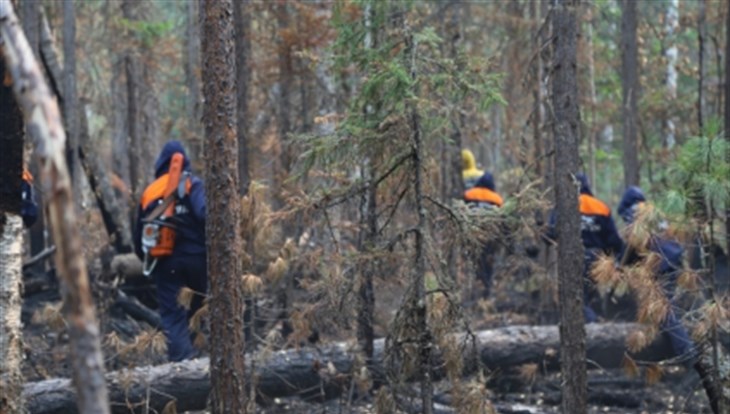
(11,342)
(223,218)
(11,244)
(570,250)
(41,114)
(630,88)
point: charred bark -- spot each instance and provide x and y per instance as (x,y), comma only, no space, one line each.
(41,115)
(131,69)
(242,17)
(570,250)
(223,216)
(308,373)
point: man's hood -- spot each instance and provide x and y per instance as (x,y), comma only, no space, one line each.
(163,160)
(585,186)
(632,196)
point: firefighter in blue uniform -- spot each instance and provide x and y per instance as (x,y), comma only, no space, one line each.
(484,195)
(599,236)
(183,262)
(670,252)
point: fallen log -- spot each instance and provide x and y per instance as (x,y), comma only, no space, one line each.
(134,308)
(307,372)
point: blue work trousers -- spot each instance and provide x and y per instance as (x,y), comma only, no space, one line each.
(172,274)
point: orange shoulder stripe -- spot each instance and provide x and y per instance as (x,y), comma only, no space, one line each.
(154,191)
(27,176)
(483,195)
(593,206)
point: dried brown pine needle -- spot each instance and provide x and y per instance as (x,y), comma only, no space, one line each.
(637,340)
(688,281)
(113,341)
(200,341)
(605,273)
(185,297)
(528,372)
(653,374)
(652,262)
(276,270)
(716,315)
(654,310)
(196,321)
(700,331)
(158,344)
(630,367)
(170,408)
(384,401)
(252,284)
(50,315)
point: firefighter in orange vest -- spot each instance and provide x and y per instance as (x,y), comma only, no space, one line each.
(599,235)
(484,195)
(170,239)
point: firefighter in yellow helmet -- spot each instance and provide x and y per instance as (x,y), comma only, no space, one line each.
(469,171)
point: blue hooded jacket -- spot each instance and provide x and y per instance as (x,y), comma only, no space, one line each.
(189,218)
(669,250)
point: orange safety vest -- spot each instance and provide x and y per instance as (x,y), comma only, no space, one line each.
(158,239)
(483,195)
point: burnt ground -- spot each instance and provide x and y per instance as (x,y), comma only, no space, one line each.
(129,343)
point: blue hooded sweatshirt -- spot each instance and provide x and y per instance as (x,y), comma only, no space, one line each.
(189,218)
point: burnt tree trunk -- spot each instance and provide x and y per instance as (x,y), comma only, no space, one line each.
(131,69)
(285,94)
(630,90)
(11,249)
(726,114)
(367,237)
(242,16)
(570,250)
(223,216)
(297,372)
(41,114)
(424,338)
